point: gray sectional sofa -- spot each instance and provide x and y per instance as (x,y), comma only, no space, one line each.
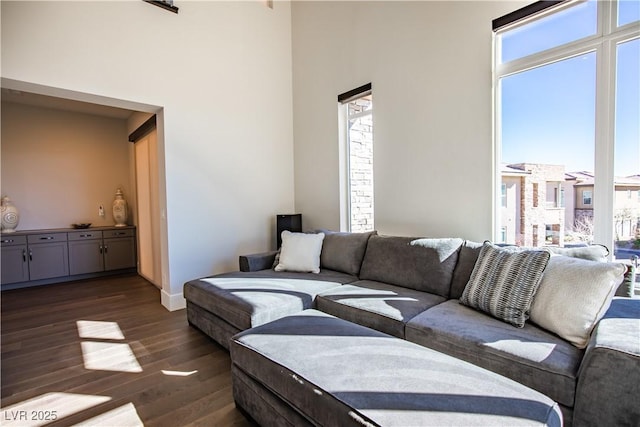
(410,288)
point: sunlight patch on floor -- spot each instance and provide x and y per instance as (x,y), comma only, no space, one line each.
(179,373)
(122,416)
(105,356)
(99,330)
(47,408)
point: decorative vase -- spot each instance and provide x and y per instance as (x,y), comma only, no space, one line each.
(120,209)
(10,215)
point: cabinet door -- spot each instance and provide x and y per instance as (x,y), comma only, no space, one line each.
(48,260)
(119,253)
(14,264)
(85,256)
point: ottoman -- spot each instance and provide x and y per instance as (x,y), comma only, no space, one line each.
(315,369)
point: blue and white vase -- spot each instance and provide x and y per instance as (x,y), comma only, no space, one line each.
(10,215)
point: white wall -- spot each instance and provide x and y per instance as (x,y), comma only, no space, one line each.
(59,166)
(430,67)
(222,73)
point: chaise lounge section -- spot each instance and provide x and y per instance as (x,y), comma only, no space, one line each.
(410,289)
(228,303)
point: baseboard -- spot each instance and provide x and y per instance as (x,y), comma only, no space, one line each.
(172,302)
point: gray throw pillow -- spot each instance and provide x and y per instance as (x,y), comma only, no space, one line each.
(504,281)
(411,262)
(466,261)
(343,251)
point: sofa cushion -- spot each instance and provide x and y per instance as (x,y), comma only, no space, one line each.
(591,252)
(573,296)
(337,373)
(504,281)
(462,273)
(529,355)
(344,251)
(377,305)
(247,299)
(416,263)
(300,252)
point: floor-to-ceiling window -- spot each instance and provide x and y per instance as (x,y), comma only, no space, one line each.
(567,114)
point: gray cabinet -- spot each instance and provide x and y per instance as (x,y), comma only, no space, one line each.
(14,264)
(34,257)
(39,257)
(119,247)
(85,252)
(48,255)
(107,250)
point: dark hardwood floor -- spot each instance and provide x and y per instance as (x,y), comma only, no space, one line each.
(105,352)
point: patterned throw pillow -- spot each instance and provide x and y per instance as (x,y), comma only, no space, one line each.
(504,281)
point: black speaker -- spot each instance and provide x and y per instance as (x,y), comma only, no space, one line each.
(290,222)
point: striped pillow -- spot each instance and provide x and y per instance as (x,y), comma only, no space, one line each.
(504,281)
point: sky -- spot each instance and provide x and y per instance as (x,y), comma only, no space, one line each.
(548,113)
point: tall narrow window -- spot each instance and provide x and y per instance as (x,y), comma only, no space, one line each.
(561,68)
(357,108)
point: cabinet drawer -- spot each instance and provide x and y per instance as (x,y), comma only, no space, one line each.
(119,233)
(47,238)
(13,240)
(85,235)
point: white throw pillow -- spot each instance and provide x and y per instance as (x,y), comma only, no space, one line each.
(300,252)
(573,296)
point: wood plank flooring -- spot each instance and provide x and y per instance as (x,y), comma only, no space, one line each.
(105,352)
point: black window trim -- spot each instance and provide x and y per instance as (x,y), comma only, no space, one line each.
(524,13)
(358,92)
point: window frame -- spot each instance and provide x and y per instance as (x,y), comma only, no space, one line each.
(604,43)
(344,118)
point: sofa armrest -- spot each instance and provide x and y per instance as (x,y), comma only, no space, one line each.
(609,377)
(256,262)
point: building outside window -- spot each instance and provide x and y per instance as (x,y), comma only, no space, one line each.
(567,79)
